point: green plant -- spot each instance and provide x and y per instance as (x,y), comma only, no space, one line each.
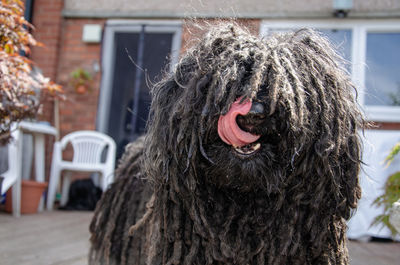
(81,80)
(391,195)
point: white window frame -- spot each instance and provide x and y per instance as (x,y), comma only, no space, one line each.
(114,26)
(360,29)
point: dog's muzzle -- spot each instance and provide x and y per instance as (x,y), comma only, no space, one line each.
(239,137)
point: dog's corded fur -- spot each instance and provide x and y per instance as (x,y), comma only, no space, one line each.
(286,204)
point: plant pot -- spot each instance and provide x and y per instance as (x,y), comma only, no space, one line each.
(81,89)
(31,192)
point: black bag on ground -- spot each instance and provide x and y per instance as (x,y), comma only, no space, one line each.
(83,196)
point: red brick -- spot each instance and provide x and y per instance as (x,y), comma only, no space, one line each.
(386,126)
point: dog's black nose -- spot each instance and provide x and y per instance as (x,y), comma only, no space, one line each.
(253,119)
(257,110)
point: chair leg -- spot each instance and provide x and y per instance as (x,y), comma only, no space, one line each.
(16,198)
(53,183)
(107,178)
(65,188)
(96,178)
(17,186)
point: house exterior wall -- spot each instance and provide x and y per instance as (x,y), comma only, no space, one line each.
(59,25)
(62,52)
(226,8)
(47,20)
(78,111)
(188,31)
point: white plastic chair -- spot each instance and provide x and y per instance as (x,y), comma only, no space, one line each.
(12,177)
(88,147)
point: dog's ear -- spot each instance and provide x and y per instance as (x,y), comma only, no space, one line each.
(349,167)
(171,126)
(333,120)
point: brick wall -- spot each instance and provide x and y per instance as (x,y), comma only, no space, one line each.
(385,125)
(193,29)
(63,52)
(78,111)
(47,21)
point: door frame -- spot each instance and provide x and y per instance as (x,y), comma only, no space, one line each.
(108,56)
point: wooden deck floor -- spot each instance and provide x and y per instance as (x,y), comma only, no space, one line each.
(62,238)
(46,238)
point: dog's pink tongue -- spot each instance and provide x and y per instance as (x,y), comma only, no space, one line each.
(228,129)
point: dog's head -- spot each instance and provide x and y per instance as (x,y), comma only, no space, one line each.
(255,114)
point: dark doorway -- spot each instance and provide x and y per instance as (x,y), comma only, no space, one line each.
(129,100)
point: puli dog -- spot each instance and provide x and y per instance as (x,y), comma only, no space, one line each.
(251,156)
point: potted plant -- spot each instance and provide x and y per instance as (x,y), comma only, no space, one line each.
(31,192)
(81,80)
(389,200)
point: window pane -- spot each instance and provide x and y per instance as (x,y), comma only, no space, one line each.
(341,40)
(383,69)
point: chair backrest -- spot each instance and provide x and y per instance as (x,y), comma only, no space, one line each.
(88,146)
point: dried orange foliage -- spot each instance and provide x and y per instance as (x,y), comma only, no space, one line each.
(20,85)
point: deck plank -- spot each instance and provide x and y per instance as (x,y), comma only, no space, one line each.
(47,238)
(62,238)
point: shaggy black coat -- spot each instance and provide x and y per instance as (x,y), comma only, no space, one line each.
(208,202)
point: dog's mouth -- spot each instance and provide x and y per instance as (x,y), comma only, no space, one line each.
(229,130)
(247,150)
